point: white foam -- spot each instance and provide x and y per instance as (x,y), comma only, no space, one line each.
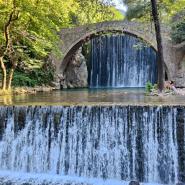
(38,178)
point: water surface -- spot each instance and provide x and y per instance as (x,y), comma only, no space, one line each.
(124,96)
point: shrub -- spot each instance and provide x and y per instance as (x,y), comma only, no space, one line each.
(34,77)
(178,33)
(149,87)
(21,79)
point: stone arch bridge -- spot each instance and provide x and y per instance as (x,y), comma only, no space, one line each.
(73,38)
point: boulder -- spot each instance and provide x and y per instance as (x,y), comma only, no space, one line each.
(76,74)
(134,183)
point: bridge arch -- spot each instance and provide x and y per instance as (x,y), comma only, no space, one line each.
(73,38)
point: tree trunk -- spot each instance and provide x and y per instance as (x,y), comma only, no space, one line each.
(10,76)
(9,80)
(3,68)
(160,57)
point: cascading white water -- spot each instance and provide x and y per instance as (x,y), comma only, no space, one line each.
(121,61)
(113,142)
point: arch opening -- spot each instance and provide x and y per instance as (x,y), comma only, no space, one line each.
(113,41)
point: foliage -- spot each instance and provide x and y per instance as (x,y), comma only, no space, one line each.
(36,76)
(29,29)
(149,87)
(34,31)
(141,9)
(32,79)
(92,11)
(171,12)
(155,86)
(21,79)
(178,30)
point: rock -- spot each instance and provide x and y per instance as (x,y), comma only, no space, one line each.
(180,74)
(32,90)
(55,85)
(24,91)
(134,183)
(76,74)
(43,89)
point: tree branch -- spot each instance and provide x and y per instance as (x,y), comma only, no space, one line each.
(6,30)
(14,15)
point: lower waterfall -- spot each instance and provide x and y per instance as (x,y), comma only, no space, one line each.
(121,61)
(144,143)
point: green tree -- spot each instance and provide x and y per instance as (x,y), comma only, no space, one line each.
(26,27)
(29,29)
(141,10)
(92,11)
(178,28)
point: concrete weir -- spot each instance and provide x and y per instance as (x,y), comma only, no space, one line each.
(104,143)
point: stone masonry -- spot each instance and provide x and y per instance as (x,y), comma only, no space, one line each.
(73,38)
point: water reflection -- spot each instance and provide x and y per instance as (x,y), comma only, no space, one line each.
(94,96)
(6,100)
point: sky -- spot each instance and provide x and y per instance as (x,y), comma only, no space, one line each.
(119,5)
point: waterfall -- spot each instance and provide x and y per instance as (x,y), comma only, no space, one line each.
(107,142)
(121,61)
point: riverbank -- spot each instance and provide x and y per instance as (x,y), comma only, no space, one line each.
(27,90)
(167,92)
(33,90)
